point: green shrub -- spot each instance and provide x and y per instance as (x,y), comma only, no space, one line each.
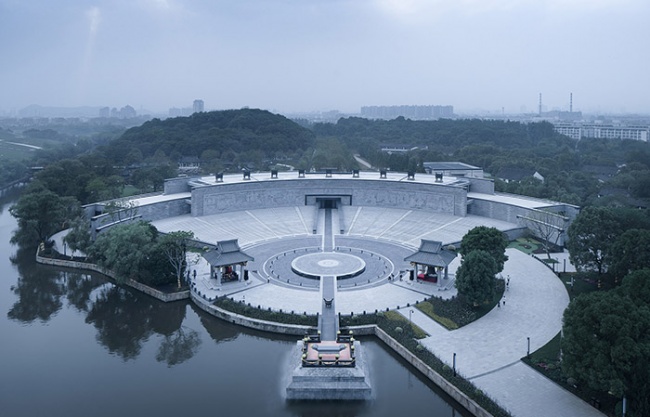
(403,323)
(268,315)
(427,308)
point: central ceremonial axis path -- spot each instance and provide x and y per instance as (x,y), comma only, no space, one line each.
(331,365)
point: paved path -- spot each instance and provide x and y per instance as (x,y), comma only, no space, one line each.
(328,321)
(488,351)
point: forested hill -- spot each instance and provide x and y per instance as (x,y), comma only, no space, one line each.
(448,135)
(231,132)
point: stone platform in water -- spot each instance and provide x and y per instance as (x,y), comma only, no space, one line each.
(329,383)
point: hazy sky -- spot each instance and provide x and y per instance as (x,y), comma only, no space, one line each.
(305,55)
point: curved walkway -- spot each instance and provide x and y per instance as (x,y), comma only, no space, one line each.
(488,351)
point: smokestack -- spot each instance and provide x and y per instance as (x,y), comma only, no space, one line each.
(540,104)
(570,102)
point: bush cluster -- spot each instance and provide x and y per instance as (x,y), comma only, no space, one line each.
(456,312)
(256,312)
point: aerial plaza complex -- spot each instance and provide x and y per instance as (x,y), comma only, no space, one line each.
(344,243)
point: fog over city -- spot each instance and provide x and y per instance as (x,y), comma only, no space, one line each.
(317,55)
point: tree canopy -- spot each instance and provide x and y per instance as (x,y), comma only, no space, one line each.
(488,239)
(41,213)
(475,277)
(237,131)
(591,237)
(174,246)
(132,251)
(606,342)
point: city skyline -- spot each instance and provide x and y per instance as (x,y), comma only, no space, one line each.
(305,56)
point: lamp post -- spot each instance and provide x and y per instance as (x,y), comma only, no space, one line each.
(454,364)
(528,351)
(410,312)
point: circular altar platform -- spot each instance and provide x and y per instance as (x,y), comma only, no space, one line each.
(316,265)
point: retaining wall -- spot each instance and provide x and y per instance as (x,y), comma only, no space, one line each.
(469,404)
(162,296)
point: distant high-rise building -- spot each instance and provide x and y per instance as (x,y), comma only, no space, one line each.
(197,107)
(409,112)
(180,112)
(583,130)
(127,112)
(104,112)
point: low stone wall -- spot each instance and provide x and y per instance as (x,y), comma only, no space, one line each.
(469,404)
(162,296)
(265,326)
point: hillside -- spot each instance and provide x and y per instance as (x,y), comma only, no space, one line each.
(226,134)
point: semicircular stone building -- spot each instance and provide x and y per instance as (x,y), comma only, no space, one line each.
(400,207)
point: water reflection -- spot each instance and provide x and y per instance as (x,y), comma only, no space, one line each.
(178,347)
(217,329)
(39,290)
(124,318)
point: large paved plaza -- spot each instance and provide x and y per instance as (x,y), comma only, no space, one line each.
(371,250)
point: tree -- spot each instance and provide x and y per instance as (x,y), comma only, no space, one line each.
(591,237)
(78,237)
(40,214)
(630,252)
(475,277)
(124,249)
(122,210)
(174,246)
(547,226)
(488,239)
(606,345)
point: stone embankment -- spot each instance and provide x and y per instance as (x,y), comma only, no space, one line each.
(162,296)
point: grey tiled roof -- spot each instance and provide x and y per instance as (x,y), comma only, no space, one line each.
(432,254)
(227,253)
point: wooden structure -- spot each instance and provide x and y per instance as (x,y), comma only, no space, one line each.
(431,256)
(225,259)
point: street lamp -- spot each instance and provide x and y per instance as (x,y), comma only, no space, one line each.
(454,364)
(410,312)
(528,352)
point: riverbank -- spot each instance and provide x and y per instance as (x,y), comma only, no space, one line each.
(157,294)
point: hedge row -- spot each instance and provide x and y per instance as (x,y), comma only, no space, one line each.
(256,312)
(406,336)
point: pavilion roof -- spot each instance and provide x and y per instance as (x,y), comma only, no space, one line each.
(226,253)
(431,254)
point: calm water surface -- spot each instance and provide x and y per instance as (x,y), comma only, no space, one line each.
(73,344)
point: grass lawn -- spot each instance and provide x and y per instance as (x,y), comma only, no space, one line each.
(526,245)
(397,317)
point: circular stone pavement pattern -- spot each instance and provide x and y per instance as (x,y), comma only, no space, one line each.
(315,265)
